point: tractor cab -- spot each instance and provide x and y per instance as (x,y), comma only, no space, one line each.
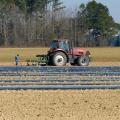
(60,44)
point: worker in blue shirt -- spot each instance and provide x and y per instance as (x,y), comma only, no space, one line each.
(17,59)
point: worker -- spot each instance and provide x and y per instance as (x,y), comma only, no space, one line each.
(17,59)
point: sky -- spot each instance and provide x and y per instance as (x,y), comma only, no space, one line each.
(113,5)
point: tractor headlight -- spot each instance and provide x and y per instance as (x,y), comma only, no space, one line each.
(90,57)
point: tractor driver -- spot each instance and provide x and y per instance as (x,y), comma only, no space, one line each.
(67,46)
(64,45)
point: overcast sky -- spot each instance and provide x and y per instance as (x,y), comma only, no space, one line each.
(113,5)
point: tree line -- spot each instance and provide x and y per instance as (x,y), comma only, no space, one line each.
(36,22)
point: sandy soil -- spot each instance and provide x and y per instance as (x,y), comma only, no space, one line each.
(60,105)
(91,64)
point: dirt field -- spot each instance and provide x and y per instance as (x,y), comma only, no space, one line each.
(60,105)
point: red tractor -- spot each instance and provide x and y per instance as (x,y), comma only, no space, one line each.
(61,53)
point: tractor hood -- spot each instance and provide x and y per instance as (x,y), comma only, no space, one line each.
(80,51)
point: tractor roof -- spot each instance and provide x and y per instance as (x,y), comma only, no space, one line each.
(60,40)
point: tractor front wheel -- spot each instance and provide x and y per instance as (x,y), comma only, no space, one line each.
(83,61)
(59,59)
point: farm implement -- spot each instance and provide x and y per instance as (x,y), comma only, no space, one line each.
(40,60)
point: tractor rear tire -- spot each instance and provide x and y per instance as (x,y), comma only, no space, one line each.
(83,61)
(59,59)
